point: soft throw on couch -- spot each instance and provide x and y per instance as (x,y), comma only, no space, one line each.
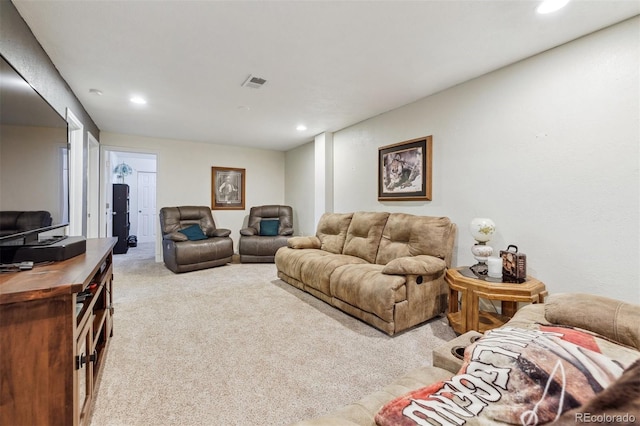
(386,269)
(573,359)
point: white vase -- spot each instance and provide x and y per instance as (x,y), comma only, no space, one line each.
(481,252)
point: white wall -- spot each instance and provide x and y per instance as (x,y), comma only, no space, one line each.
(184,175)
(299,188)
(548,148)
(32,170)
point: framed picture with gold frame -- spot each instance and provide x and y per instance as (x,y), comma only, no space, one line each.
(227,188)
(404,170)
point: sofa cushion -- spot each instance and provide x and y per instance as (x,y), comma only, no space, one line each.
(367,288)
(203,251)
(409,235)
(363,236)
(173,219)
(616,320)
(289,261)
(332,231)
(269,227)
(193,233)
(316,271)
(516,376)
(304,243)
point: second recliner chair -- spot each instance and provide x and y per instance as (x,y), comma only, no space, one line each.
(268,229)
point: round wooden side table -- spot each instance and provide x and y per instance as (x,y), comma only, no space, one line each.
(468,315)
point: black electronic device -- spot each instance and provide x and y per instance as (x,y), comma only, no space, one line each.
(34,165)
(46,241)
(60,250)
(15,267)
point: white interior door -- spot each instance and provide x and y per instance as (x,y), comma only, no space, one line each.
(146,207)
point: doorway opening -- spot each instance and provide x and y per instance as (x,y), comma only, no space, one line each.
(136,172)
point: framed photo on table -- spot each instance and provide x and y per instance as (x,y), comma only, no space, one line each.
(227,188)
(404,170)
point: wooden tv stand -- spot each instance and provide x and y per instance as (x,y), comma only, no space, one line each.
(51,347)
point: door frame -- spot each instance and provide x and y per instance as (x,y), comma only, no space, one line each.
(93,187)
(75,130)
(106,175)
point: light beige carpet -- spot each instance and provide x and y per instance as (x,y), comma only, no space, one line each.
(234,345)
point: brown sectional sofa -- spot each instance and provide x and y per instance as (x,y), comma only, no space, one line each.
(614,324)
(386,269)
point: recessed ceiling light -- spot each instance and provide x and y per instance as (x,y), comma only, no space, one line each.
(301,128)
(549,6)
(138,100)
(97,92)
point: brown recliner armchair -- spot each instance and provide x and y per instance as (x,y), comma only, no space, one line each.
(268,229)
(191,241)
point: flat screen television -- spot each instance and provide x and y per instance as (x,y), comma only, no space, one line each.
(34,164)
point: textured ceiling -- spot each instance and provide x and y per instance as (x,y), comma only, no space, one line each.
(328,64)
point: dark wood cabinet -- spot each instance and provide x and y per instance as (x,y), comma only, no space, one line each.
(121,222)
(55,326)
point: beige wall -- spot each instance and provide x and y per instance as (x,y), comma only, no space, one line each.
(184,174)
(548,148)
(32,170)
(299,188)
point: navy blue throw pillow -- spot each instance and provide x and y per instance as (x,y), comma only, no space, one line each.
(194,233)
(269,227)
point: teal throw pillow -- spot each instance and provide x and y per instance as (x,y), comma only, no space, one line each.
(269,227)
(194,233)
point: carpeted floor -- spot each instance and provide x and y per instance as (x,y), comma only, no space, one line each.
(234,345)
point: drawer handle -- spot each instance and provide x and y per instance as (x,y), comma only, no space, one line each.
(81,360)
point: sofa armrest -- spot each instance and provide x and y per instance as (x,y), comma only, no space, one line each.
(248,232)
(304,243)
(220,232)
(614,319)
(175,236)
(529,316)
(415,265)
(286,231)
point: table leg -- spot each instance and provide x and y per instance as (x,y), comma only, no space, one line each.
(509,308)
(453,300)
(472,311)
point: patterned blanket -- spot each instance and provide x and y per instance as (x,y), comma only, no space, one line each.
(517,376)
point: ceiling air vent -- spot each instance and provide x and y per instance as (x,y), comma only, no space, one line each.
(254,82)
